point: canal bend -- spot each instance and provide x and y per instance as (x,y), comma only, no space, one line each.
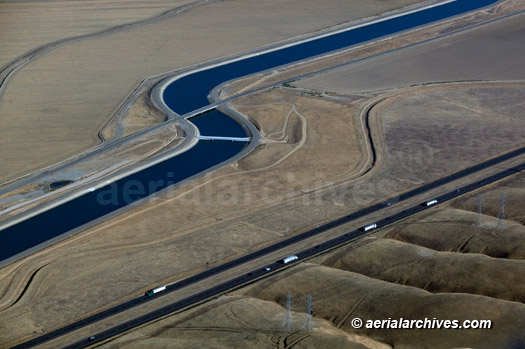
(184,95)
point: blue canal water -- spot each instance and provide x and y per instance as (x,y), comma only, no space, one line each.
(90,206)
(183,96)
(215,123)
(190,92)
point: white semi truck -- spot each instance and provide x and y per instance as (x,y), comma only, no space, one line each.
(431,202)
(151,292)
(369,227)
(289,259)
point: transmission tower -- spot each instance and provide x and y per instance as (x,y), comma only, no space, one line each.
(308,322)
(479,216)
(287,323)
(502,223)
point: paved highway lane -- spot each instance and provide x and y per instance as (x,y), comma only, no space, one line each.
(286,243)
(302,255)
(308,234)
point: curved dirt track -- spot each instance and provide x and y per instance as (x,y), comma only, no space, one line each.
(9,69)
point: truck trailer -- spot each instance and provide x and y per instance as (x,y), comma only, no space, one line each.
(151,292)
(289,259)
(369,227)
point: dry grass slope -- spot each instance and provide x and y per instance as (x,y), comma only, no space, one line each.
(239,322)
(436,272)
(455,230)
(340,296)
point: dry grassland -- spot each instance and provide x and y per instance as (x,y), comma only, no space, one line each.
(240,322)
(310,127)
(340,296)
(491,52)
(220,218)
(457,227)
(237,209)
(254,316)
(378,278)
(410,278)
(378,47)
(308,141)
(437,272)
(129,153)
(423,125)
(449,229)
(54,107)
(141,115)
(25,25)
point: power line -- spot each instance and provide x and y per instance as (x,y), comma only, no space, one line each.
(308,322)
(479,216)
(502,223)
(287,323)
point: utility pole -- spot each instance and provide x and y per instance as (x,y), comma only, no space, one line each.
(308,322)
(287,323)
(479,216)
(502,223)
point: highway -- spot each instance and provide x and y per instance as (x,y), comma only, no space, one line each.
(261,272)
(301,255)
(282,244)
